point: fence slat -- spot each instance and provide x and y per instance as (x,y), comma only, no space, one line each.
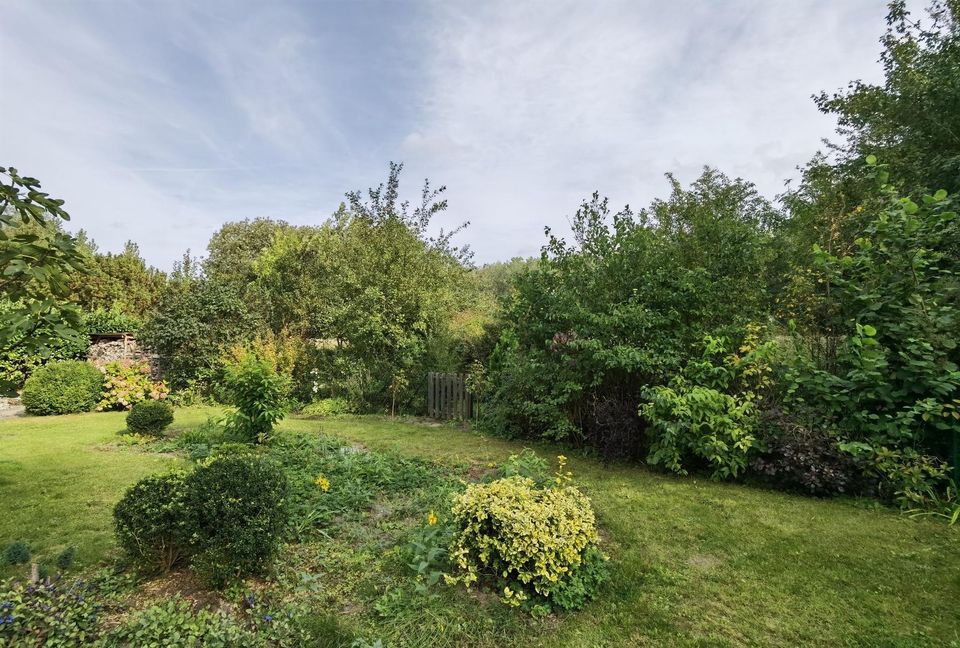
(448,396)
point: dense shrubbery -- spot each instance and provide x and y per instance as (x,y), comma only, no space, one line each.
(538,545)
(63,388)
(149,417)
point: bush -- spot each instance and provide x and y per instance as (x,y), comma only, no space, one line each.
(152,523)
(126,384)
(258,392)
(66,557)
(699,423)
(238,512)
(17,553)
(149,417)
(803,460)
(62,388)
(328,407)
(533,542)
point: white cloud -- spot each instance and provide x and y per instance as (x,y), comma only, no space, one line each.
(549,101)
(160,121)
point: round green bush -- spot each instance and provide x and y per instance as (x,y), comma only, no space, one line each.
(238,509)
(149,417)
(152,523)
(62,388)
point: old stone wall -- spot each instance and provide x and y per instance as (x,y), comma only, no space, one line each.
(105,351)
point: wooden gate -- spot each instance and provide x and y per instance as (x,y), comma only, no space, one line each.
(447,396)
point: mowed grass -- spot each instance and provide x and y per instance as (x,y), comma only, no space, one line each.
(694,562)
(700,563)
(60,477)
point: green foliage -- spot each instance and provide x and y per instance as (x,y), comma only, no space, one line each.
(36,259)
(527,464)
(112,320)
(121,287)
(149,417)
(625,304)
(176,624)
(258,392)
(152,523)
(194,320)
(910,119)
(17,553)
(65,558)
(62,387)
(894,378)
(693,421)
(328,407)
(531,541)
(238,514)
(373,288)
(57,614)
(128,383)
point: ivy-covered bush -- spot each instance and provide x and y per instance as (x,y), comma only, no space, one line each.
(259,394)
(128,383)
(537,545)
(238,512)
(152,523)
(62,387)
(149,417)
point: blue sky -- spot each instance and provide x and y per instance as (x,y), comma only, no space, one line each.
(160,120)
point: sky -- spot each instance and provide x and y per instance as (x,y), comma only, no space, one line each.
(160,120)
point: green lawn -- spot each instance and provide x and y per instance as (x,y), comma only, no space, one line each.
(695,563)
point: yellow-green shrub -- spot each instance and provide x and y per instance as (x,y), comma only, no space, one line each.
(539,544)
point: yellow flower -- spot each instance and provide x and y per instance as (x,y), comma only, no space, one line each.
(490,464)
(431,519)
(323,483)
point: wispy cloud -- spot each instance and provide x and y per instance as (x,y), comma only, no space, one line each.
(159,121)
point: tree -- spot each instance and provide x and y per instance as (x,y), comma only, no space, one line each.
(235,247)
(36,259)
(912,121)
(122,282)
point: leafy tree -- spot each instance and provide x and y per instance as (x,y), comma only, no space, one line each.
(122,282)
(626,304)
(235,247)
(912,120)
(36,259)
(372,285)
(895,306)
(191,325)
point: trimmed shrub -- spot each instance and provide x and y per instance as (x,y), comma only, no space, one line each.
(149,417)
(152,523)
(238,512)
(62,388)
(536,543)
(17,553)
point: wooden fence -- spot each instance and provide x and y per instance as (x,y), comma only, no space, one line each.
(448,397)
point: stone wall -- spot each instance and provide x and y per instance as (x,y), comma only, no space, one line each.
(125,349)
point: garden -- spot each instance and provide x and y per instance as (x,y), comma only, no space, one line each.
(718,420)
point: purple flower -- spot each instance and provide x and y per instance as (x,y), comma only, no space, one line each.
(267,618)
